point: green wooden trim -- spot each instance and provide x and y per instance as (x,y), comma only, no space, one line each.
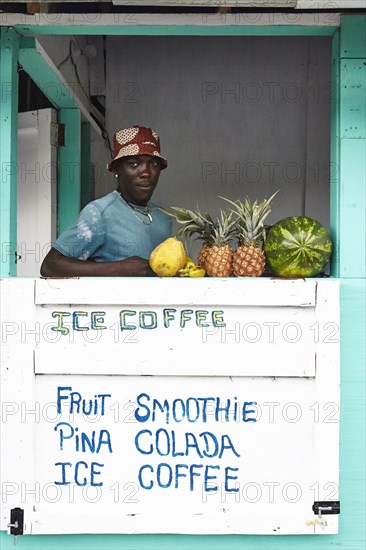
(352,208)
(352,149)
(86,191)
(9,44)
(69,169)
(352,428)
(334,157)
(353,41)
(352,99)
(179,30)
(41,70)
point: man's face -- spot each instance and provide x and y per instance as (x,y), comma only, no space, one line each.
(137,178)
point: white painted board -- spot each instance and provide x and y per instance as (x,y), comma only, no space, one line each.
(36,191)
(185,428)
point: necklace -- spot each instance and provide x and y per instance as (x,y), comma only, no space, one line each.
(147,213)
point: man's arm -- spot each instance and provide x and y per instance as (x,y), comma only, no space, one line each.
(56,264)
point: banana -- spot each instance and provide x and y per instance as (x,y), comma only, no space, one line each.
(197,271)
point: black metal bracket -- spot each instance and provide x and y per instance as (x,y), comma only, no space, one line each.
(16,521)
(323,507)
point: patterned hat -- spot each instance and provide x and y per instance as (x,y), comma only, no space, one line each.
(137,140)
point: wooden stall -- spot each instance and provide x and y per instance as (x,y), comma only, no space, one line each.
(156,414)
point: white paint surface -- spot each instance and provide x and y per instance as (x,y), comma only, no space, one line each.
(37,188)
(284,358)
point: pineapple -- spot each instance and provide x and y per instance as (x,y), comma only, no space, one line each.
(216,256)
(202,256)
(249,260)
(219,254)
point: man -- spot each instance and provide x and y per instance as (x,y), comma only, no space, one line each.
(115,235)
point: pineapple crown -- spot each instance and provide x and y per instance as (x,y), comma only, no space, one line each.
(219,231)
(223,229)
(250,228)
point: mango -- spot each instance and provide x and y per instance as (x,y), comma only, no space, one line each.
(168,258)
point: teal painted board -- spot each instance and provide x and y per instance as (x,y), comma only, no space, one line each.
(8,150)
(177,30)
(69,169)
(352,207)
(352,435)
(334,157)
(34,62)
(183,542)
(352,98)
(353,42)
(86,190)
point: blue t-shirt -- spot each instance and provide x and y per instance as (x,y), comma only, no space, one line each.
(108,230)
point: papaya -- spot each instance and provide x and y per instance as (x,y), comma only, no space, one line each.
(168,258)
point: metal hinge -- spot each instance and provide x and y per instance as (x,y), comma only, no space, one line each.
(16,524)
(323,507)
(57,138)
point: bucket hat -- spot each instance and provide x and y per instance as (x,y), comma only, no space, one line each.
(137,140)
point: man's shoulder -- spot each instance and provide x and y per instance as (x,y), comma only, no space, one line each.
(103,203)
(158,209)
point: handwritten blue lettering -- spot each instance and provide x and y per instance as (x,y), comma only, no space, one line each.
(193,409)
(97,317)
(82,442)
(75,320)
(227,477)
(76,403)
(148,319)
(60,326)
(246,411)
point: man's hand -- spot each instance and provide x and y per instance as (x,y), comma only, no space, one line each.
(56,264)
(134,267)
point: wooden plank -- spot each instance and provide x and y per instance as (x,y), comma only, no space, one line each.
(17,386)
(334,157)
(352,208)
(209,3)
(353,399)
(9,43)
(189,30)
(195,523)
(69,170)
(85,189)
(326,5)
(177,291)
(44,73)
(353,39)
(179,23)
(172,361)
(352,155)
(352,99)
(37,189)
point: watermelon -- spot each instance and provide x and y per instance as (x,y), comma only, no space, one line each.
(297,247)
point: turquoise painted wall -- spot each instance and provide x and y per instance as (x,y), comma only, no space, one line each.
(348,200)
(351,145)
(8,149)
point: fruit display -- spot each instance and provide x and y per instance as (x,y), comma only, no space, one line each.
(168,258)
(216,255)
(298,247)
(249,260)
